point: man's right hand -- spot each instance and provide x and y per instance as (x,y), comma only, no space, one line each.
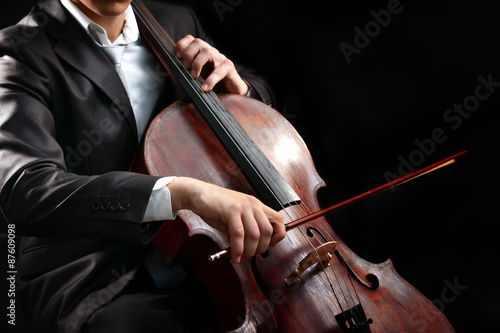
(250,225)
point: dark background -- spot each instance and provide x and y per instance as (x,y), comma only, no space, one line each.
(361,119)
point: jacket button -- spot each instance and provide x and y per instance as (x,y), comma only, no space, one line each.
(115,205)
(105,205)
(124,206)
(95,205)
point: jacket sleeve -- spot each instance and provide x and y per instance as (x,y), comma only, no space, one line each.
(37,193)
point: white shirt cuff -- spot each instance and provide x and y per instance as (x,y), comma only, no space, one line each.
(160,203)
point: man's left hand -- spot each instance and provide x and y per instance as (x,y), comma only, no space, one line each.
(202,59)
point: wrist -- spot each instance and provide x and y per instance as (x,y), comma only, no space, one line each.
(176,193)
(237,86)
(244,88)
(181,190)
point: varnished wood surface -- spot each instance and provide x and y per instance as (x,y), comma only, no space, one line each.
(178,143)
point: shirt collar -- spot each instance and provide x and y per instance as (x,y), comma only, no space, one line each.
(130,32)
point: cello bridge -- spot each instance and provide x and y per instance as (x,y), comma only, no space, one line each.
(322,254)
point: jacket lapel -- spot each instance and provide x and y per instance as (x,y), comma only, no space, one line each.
(76,47)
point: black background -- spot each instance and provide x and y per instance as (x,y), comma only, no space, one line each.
(361,119)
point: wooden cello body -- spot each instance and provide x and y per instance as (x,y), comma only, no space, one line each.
(253,296)
(311,281)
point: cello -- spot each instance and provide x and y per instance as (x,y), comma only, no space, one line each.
(310,281)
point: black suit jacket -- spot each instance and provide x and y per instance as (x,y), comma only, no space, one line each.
(67,139)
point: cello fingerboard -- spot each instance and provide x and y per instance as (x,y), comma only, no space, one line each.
(269,185)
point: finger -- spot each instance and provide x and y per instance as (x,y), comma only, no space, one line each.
(236,233)
(265,230)
(252,234)
(182,45)
(222,70)
(278,225)
(202,58)
(192,51)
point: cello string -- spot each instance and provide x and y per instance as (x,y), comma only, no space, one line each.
(344,264)
(169,49)
(343,275)
(350,279)
(323,268)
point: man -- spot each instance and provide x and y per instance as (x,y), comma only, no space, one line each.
(78,86)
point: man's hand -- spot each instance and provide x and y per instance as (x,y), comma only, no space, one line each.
(250,225)
(202,59)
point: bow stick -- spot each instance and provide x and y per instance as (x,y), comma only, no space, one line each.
(350,201)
